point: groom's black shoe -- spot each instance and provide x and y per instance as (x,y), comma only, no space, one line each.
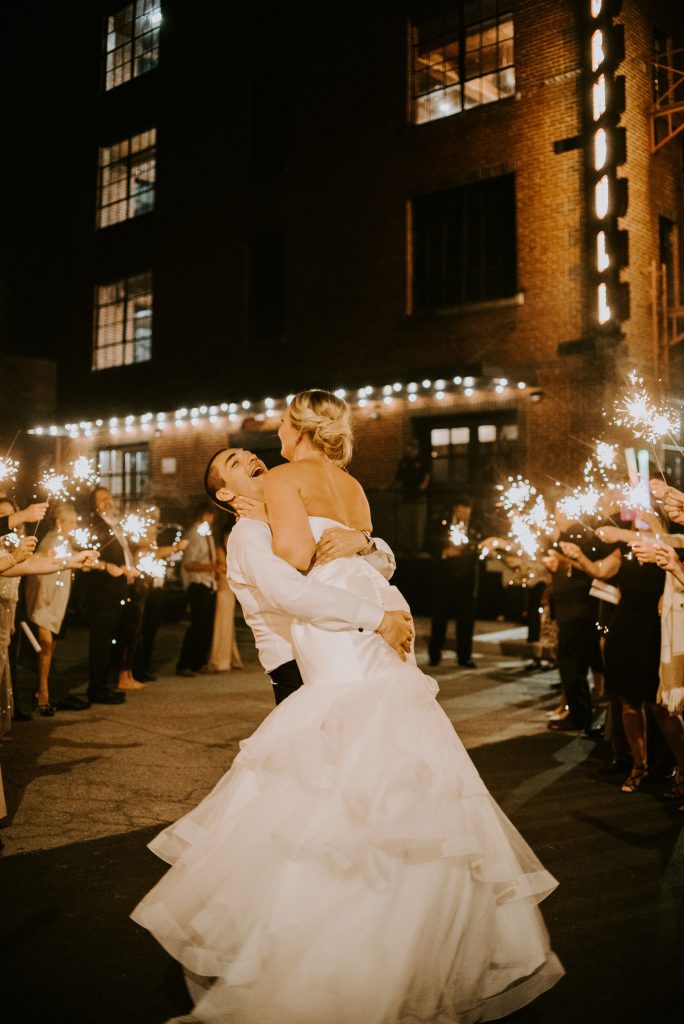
(107,697)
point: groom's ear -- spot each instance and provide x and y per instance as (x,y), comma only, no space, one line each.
(223,494)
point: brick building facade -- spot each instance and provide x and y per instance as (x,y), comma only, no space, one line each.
(403,197)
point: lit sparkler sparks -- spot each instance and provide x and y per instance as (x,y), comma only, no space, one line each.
(135,526)
(84,473)
(54,484)
(523,534)
(62,550)
(11,540)
(639,413)
(8,469)
(579,503)
(84,538)
(458,534)
(204,529)
(606,455)
(150,565)
(516,495)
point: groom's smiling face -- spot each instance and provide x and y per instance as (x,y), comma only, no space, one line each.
(241,472)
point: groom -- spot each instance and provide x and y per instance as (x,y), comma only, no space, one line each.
(272,592)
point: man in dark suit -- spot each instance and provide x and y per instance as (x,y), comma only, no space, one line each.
(455,576)
(107,592)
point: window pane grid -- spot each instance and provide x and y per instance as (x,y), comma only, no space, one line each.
(132,42)
(123,322)
(125,471)
(463,57)
(126,179)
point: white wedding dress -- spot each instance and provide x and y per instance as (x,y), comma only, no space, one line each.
(351,867)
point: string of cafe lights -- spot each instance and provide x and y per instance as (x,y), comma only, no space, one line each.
(369,396)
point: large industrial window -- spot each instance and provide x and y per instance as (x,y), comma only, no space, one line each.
(132,41)
(123,322)
(462,57)
(126,176)
(125,471)
(463,244)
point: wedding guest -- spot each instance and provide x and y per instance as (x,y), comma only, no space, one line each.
(224,654)
(30,514)
(456,568)
(47,597)
(412,476)
(199,571)
(154,599)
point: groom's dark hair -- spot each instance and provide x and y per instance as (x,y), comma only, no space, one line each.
(213,482)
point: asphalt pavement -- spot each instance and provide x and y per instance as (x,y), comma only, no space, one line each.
(87,790)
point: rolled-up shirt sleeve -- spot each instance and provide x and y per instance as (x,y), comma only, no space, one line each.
(285,590)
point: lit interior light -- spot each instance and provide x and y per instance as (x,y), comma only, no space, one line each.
(469,382)
(360,393)
(369,389)
(181,413)
(397,387)
(39,431)
(522,385)
(458,380)
(469,391)
(155,16)
(412,388)
(341,393)
(596,6)
(602,196)
(604,311)
(599,97)
(203,409)
(412,397)
(113,421)
(224,407)
(246,404)
(602,257)
(130,419)
(161,417)
(600,149)
(444,107)
(213,410)
(387,390)
(194,413)
(427,383)
(440,385)
(269,403)
(597,53)
(98,423)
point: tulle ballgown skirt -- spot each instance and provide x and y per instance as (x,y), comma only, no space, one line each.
(351,868)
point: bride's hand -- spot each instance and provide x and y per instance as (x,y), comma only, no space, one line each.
(396,629)
(338,542)
(250,508)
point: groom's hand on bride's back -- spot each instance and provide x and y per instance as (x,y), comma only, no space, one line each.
(396,629)
(339,542)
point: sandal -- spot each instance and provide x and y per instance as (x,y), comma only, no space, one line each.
(46,710)
(675,792)
(634,779)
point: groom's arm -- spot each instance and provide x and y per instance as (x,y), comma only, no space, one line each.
(251,562)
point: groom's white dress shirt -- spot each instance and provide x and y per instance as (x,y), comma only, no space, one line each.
(272,593)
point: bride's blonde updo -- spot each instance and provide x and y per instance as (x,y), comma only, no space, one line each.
(326,420)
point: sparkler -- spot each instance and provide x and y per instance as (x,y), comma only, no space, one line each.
(204,529)
(84,473)
(54,484)
(62,550)
(84,539)
(11,540)
(529,516)
(150,565)
(8,469)
(639,413)
(458,534)
(135,526)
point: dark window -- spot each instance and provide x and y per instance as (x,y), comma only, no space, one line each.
(464,244)
(662,76)
(132,41)
(123,322)
(667,241)
(125,471)
(462,57)
(266,288)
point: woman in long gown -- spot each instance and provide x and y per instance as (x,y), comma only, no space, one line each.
(351,867)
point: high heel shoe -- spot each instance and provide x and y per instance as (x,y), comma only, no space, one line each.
(634,779)
(46,710)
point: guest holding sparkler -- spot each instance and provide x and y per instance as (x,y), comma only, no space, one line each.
(224,654)
(47,597)
(107,589)
(199,571)
(456,565)
(30,514)
(632,647)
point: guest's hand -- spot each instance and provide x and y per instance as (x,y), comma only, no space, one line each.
(397,630)
(250,508)
(30,514)
(25,548)
(492,544)
(644,552)
(608,534)
(82,560)
(551,560)
(658,488)
(673,505)
(571,551)
(337,542)
(666,557)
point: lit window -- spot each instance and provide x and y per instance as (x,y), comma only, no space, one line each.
(602,258)
(596,6)
(463,57)
(597,54)
(604,311)
(486,433)
(602,196)
(126,179)
(123,322)
(599,97)
(132,41)
(600,149)
(124,471)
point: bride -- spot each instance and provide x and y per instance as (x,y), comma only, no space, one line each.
(350,867)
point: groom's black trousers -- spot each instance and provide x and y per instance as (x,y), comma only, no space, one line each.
(286,679)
